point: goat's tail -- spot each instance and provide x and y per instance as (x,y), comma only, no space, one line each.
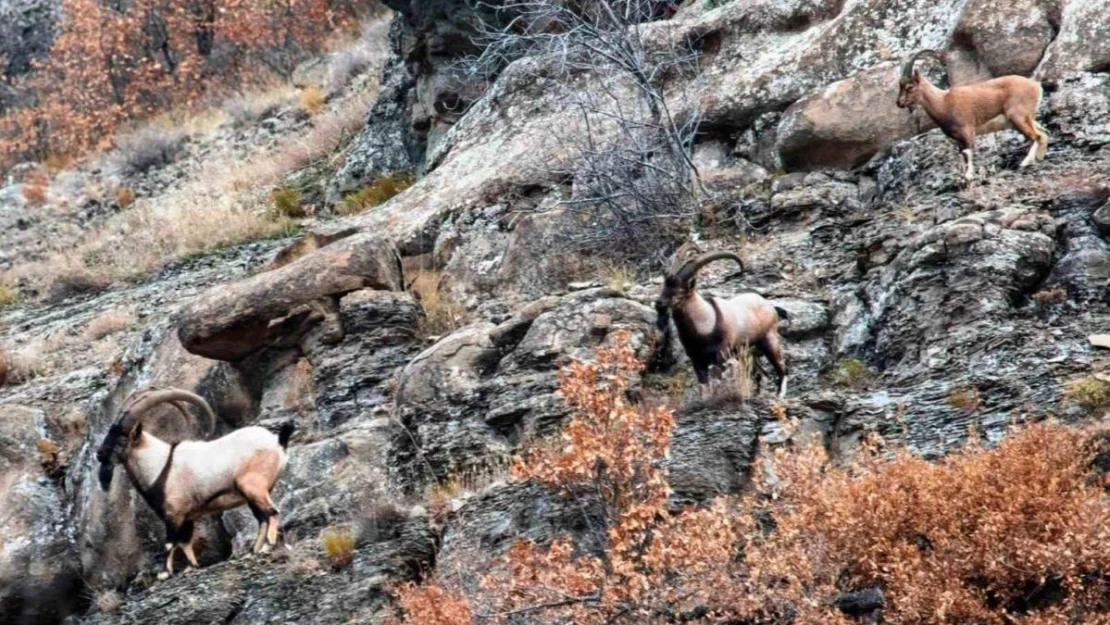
(285,432)
(782,313)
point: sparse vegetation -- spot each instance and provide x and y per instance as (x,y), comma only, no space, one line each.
(339,546)
(108,323)
(1092,393)
(966,399)
(619,275)
(850,373)
(1014,534)
(287,203)
(147,148)
(441,313)
(379,192)
(9,296)
(108,602)
(125,197)
(1049,297)
(312,99)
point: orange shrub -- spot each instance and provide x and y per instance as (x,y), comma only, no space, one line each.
(110,63)
(1011,535)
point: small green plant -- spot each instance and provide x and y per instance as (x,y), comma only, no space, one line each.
(339,545)
(851,373)
(966,399)
(377,193)
(9,296)
(1092,393)
(287,203)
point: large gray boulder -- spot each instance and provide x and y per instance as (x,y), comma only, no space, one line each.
(1082,45)
(998,39)
(847,122)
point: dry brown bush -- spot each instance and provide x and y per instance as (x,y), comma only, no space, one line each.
(108,323)
(1016,534)
(441,313)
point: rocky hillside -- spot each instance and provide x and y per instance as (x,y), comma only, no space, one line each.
(919,304)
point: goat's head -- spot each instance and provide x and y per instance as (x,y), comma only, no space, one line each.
(679,283)
(127,429)
(909,85)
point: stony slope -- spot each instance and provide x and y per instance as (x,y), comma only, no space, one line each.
(884,256)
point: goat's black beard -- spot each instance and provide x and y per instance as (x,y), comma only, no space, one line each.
(105,474)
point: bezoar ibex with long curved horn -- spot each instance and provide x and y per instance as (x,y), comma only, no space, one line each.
(713,330)
(185,481)
(968,111)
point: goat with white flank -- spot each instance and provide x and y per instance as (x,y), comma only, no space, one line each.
(712,330)
(981,108)
(186,481)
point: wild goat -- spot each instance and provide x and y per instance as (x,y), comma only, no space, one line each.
(713,330)
(185,481)
(984,107)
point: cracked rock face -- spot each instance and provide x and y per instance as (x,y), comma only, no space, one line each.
(937,289)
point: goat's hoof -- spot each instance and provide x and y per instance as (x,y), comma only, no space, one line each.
(163,576)
(188,571)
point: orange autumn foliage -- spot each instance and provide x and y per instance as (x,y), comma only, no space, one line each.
(1016,534)
(111,63)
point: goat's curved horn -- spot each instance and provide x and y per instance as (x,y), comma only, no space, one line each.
(142,401)
(907,69)
(690,268)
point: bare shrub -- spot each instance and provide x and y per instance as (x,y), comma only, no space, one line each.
(108,323)
(635,186)
(147,148)
(248,108)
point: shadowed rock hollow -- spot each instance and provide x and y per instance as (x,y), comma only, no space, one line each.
(864,232)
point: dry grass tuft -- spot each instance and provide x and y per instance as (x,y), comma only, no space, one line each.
(125,197)
(312,99)
(1092,393)
(441,313)
(339,546)
(1048,297)
(966,399)
(382,190)
(850,373)
(9,296)
(108,602)
(26,363)
(251,107)
(442,496)
(108,323)
(287,203)
(5,365)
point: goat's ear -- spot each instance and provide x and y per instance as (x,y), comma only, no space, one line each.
(916,76)
(135,433)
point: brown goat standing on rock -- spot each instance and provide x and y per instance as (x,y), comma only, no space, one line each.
(968,111)
(713,330)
